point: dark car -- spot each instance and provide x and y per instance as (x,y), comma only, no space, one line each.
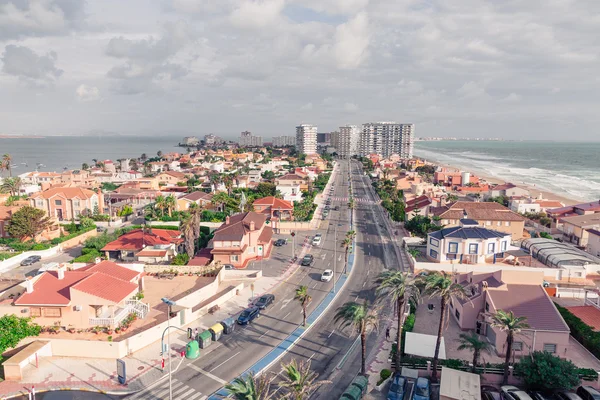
(397,388)
(588,393)
(336,208)
(248,315)
(279,242)
(307,260)
(565,395)
(509,392)
(264,301)
(30,260)
(100,229)
(228,266)
(490,394)
(422,389)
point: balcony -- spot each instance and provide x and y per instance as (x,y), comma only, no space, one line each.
(131,306)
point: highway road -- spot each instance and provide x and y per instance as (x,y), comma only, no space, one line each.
(227,359)
(335,355)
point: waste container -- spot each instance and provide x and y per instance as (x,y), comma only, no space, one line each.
(228,325)
(191,350)
(216,330)
(361,382)
(205,339)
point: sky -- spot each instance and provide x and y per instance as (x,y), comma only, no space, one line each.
(470,68)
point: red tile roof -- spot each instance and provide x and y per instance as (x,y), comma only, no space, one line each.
(49,290)
(151,253)
(66,192)
(588,314)
(418,202)
(133,240)
(275,203)
(112,269)
(106,287)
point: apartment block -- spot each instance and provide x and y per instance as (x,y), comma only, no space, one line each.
(346,141)
(283,141)
(306,139)
(387,138)
(247,139)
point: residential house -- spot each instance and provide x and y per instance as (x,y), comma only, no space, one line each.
(254,176)
(171,178)
(524,205)
(548,204)
(67,203)
(508,190)
(290,186)
(153,246)
(490,215)
(575,229)
(242,238)
(454,178)
(6,213)
(78,178)
(593,244)
(43,179)
(98,295)
(203,199)
(145,183)
(274,208)
(418,205)
(467,243)
(520,292)
(568,211)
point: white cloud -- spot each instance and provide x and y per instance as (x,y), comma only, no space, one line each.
(350,107)
(306,107)
(335,6)
(22,62)
(512,98)
(256,14)
(352,42)
(87,93)
(471,90)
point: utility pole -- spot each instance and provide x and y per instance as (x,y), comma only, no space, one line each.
(334,256)
(169,304)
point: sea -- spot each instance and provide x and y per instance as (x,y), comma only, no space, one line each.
(569,169)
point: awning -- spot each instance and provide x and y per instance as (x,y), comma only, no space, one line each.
(419,344)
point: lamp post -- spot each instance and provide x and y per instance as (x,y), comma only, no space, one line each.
(169,304)
(334,256)
(293,245)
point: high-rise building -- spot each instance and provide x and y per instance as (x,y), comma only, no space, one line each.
(283,141)
(306,139)
(324,138)
(212,140)
(346,141)
(387,138)
(249,140)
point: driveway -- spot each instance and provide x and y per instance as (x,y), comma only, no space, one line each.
(21,272)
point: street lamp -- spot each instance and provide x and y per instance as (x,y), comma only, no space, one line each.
(169,304)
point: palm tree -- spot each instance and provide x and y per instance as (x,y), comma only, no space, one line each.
(401,287)
(187,228)
(170,203)
(304,298)
(196,213)
(85,166)
(440,284)
(12,186)
(143,157)
(6,163)
(347,245)
(510,324)
(160,204)
(360,318)
(473,342)
(250,388)
(299,381)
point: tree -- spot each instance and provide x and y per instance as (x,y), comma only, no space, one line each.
(268,175)
(359,318)
(28,222)
(196,213)
(440,284)
(299,381)
(400,287)
(265,189)
(85,166)
(12,186)
(6,164)
(160,204)
(187,228)
(510,324)
(473,342)
(159,154)
(304,299)
(347,245)
(13,329)
(143,157)
(250,387)
(546,372)
(170,204)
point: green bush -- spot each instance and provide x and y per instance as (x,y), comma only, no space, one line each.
(453,363)
(546,372)
(582,332)
(40,246)
(383,375)
(180,259)
(88,257)
(587,374)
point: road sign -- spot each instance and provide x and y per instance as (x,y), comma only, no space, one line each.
(121,371)
(293,234)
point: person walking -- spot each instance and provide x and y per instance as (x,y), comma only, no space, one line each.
(387,333)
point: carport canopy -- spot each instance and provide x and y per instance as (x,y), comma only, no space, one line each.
(422,345)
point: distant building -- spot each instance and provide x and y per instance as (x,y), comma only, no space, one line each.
(306,139)
(191,141)
(249,140)
(283,141)
(212,140)
(387,138)
(346,141)
(324,138)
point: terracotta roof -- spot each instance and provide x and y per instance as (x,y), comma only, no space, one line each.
(274,202)
(529,301)
(106,287)
(590,315)
(594,206)
(504,186)
(198,195)
(136,239)
(202,258)
(418,202)
(49,290)
(490,211)
(266,235)
(290,177)
(6,212)
(67,192)
(549,203)
(174,174)
(152,253)
(112,269)
(238,226)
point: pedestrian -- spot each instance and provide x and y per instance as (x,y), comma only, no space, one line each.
(387,333)
(196,333)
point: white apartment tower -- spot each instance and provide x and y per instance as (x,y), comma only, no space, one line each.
(283,141)
(387,138)
(306,139)
(346,141)
(249,140)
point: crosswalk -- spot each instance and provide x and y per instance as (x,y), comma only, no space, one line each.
(356,199)
(181,391)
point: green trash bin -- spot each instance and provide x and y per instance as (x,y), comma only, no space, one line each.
(361,382)
(192,350)
(204,339)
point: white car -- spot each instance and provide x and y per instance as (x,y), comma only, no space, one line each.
(326,275)
(316,240)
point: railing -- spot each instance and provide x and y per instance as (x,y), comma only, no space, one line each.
(140,309)
(131,306)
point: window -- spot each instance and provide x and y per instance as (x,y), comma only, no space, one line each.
(58,202)
(487,306)
(35,312)
(39,203)
(488,223)
(433,253)
(234,258)
(473,248)
(52,312)
(452,247)
(499,223)
(507,223)
(457,313)
(75,203)
(434,242)
(518,346)
(578,274)
(491,248)
(550,347)
(504,244)
(250,250)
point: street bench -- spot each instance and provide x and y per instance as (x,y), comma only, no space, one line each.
(214,309)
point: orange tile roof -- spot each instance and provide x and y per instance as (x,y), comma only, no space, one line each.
(112,269)
(49,290)
(67,192)
(274,202)
(106,287)
(152,253)
(136,239)
(588,314)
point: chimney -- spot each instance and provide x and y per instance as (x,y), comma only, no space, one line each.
(227,220)
(61,272)
(29,284)
(97,260)
(252,226)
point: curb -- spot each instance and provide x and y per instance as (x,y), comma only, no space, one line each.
(79,389)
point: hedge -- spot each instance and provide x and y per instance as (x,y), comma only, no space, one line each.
(166,227)
(64,238)
(582,332)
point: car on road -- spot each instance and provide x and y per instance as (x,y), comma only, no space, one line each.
(316,240)
(228,266)
(422,389)
(509,392)
(397,388)
(248,315)
(336,208)
(30,260)
(264,301)
(326,275)
(307,260)
(279,242)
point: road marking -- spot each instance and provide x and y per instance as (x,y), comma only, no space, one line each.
(286,315)
(285,303)
(369,271)
(211,376)
(313,354)
(315,285)
(264,333)
(356,298)
(364,283)
(329,263)
(330,334)
(225,361)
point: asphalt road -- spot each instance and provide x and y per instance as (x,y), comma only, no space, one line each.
(227,359)
(335,355)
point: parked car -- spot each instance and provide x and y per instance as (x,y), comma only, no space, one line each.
(535,395)
(397,388)
(326,275)
(279,242)
(488,394)
(566,395)
(422,389)
(30,260)
(509,392)
(588,393)
(248,315)
(228,266)
(336,208)
(264,301)
(316,240)
(307,260)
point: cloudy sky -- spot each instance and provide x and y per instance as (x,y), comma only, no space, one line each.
(478,68)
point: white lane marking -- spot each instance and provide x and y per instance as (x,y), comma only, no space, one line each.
(355,299)
(364,283)
(285,303)
(211,376)
(329,263)
(369,271)
(315,285)
(310,358)
(330,334)
(187,394)
(286,315)
(225,361)
(264,333)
